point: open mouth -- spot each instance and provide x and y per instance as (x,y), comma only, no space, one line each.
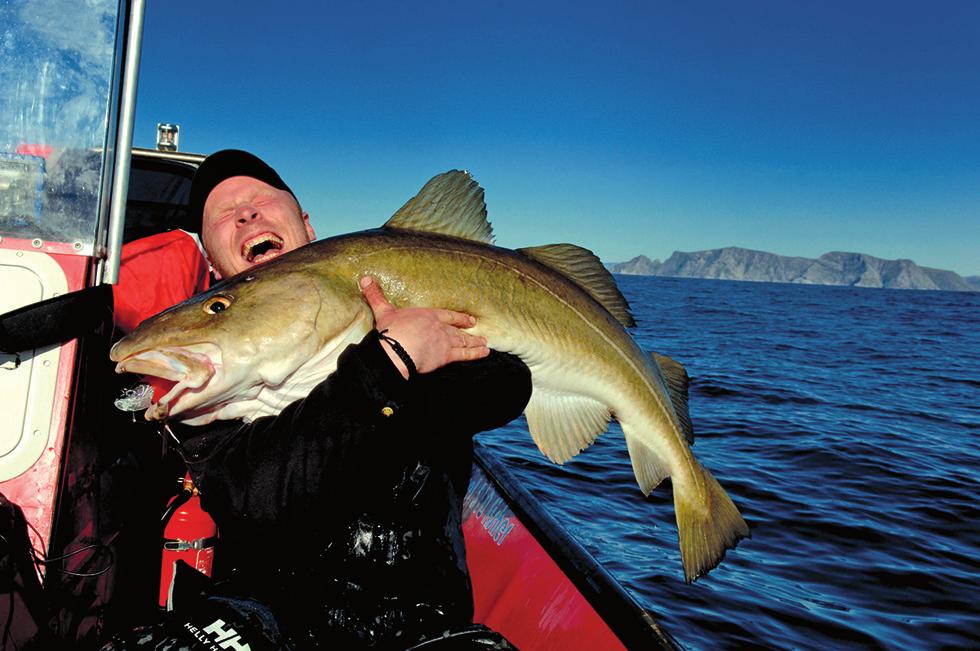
(262,247)
(172,372)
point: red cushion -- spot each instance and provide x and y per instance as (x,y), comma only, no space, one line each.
(157,272)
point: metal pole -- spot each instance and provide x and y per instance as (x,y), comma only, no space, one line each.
(124,144)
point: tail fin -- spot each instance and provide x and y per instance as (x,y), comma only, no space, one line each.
(706,529)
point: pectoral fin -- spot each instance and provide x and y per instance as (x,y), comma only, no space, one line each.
(564,424)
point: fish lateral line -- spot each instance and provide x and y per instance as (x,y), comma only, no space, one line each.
(491,261)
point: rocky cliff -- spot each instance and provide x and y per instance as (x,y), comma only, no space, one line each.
(835,268)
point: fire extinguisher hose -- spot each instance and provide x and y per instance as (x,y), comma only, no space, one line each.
(178,502)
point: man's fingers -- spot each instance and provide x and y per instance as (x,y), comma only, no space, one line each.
(456,319)
(467,354)
(461,339)
(471,341)
(374,296)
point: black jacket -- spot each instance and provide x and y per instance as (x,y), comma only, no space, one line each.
(343,512)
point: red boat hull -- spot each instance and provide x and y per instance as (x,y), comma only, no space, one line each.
(536,585)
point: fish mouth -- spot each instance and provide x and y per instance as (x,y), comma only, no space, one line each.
(189,370)
(262,247)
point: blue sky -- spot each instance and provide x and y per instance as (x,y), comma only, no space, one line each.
(626,127)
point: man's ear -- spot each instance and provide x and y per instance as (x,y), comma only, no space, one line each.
(309,227)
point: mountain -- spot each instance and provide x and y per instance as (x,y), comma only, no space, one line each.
(638,266)
(835,268)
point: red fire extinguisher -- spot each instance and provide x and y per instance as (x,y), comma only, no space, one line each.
(189,535)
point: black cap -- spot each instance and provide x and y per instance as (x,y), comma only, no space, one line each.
(223,165)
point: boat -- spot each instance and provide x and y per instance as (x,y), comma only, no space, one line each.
(83,484)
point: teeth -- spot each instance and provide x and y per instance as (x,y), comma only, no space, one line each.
(252,243)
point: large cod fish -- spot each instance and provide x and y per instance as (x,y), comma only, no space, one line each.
(259,340)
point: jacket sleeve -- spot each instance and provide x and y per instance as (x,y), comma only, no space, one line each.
(471,397)
(348,431)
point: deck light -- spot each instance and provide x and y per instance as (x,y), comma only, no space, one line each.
(168,136)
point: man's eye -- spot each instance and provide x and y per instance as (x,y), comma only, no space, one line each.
(217,304)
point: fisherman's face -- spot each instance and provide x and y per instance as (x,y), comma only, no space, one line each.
(247,222)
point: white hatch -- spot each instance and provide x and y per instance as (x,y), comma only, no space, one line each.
(27,379)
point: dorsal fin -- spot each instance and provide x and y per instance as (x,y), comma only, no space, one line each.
(451,203)
(585,269)
(675,375)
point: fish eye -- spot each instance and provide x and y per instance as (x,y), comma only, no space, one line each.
(217,304)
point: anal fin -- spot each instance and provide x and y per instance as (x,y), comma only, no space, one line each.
(648,466)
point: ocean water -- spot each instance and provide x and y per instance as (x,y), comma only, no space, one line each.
(845,424)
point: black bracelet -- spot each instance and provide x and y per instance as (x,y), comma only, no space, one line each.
(401,352)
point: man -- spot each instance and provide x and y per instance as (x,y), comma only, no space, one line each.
(339,519)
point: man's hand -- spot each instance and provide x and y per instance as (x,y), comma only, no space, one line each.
(432,337)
